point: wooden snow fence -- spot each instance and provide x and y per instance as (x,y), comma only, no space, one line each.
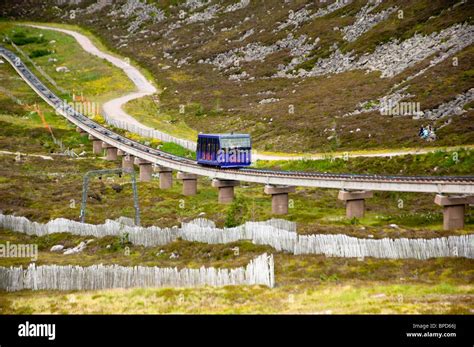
(277,233)
(260,271)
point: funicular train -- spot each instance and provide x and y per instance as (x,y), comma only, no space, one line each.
(224,150)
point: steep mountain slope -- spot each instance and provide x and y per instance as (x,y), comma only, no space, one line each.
(297,75)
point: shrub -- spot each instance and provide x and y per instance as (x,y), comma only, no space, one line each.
(236,213)
(39,53)
(21,39)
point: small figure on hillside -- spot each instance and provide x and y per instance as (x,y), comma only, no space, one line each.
(420,132)
(432,134)
(427,133)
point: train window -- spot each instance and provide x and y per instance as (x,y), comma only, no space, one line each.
(203,148)
(213,149)
(235,142)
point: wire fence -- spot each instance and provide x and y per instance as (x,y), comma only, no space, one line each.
(273,233)
(260,271)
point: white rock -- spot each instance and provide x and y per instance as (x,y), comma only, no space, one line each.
(62,69)
(57,248)
(78,249)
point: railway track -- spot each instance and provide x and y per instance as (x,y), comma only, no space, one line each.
(422,184)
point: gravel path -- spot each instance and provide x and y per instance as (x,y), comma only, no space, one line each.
(113,108)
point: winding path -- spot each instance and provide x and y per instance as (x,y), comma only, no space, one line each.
(113,108)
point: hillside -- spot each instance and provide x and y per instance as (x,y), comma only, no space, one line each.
(299,75)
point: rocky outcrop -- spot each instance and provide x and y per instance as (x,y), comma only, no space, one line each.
(303,15)
(453,107)
(381,104)
(237,6)
(196,4)
(203,16)
(295,19)
(365,20)
(141,12)
(395,56)
(298,48)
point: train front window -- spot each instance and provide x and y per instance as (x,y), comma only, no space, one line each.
(235,142)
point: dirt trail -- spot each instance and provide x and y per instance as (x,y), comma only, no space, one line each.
(113,108)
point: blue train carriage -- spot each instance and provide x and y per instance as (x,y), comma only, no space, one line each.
(224,150)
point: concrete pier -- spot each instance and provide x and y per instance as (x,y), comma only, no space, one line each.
(189,183)
(82,132)
(128,162)
(166,177)
(146,170)
(111,151)
(454,208)
(226,190)
(96,145)
(355,202)
(279,197)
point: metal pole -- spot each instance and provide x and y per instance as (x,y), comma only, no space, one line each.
(85,187)
(135,198)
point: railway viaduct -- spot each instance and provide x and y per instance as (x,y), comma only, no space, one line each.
(453,193)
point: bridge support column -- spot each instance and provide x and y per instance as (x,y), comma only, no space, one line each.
(279,197)
(96,145)
(166,177)
(145,170)
(454,208)
(127,162)
(111,151)
(355,202)
(189,183)
(226,190)
(82,132)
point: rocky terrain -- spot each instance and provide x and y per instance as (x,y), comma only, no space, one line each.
(285,71)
